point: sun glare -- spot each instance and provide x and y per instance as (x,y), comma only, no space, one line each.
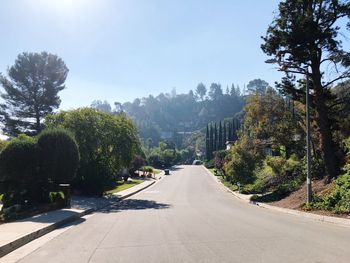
(66,6)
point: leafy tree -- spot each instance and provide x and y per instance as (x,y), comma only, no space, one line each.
(268,119)
(242,160)
(257,86)
(31,91)
(107,144)
(305,34)
(102,106)
(215,91)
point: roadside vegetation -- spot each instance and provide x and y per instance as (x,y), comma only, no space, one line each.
(254,138)
(90,150)
(267,158)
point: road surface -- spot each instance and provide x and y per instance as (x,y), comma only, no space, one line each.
(188,217)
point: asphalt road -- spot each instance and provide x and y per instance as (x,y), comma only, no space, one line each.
(188,217)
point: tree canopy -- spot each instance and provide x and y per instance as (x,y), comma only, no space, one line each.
(31,91)
(304,39)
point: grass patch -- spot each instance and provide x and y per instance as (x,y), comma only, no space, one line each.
(121,185)
(156,171)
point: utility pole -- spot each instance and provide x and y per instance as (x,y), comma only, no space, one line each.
(308,133)
(308,143)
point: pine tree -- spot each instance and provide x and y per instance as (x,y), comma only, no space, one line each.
(30,91)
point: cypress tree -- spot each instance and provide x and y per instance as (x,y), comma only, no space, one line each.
(220,137)
(224,136)
(215,138)
(207,144)
(211,141)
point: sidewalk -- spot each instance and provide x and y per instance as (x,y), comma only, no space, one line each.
(16,234)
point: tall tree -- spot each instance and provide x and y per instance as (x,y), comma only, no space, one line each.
(257,86)
(101,105)
(207,144)
(220,144)
(224,136)
(201,90)
(211,139)
(305,35)
(215,91)
(31,91)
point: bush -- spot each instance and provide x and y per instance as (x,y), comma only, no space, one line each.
(59,155)
(19,161)
(55,197)
(210,164)
(19,171)
(339,198)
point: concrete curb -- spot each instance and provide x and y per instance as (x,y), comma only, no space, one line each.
(320,218)
(9,247)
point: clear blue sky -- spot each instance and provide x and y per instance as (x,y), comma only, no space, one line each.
(122,49)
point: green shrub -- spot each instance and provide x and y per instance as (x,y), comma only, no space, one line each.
(19,172)
(210,164)
(19,161)
(339,198)
(55,197)
(59,155)
(94,177)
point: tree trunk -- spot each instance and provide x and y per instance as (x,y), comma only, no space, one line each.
(324,127)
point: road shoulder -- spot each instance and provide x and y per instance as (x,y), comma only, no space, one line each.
(246,198)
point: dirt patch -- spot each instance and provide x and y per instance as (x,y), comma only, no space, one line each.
(297,199)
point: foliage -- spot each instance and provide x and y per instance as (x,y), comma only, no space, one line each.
(165,155)
(3,144)
(19,171)
(219,159)
(242,160)
(257,86)
(276,171)
(30,91)
(102,106)
(59,155)
(305,34)
(166,115)
(107,143)
(137,162)
(269,118)
(210,164)
(21,151)
(339,197)
(217,134)
(55,197)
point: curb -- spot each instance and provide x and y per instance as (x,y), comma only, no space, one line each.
(9,247)
(320,218)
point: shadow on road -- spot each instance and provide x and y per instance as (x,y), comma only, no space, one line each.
(134,204)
